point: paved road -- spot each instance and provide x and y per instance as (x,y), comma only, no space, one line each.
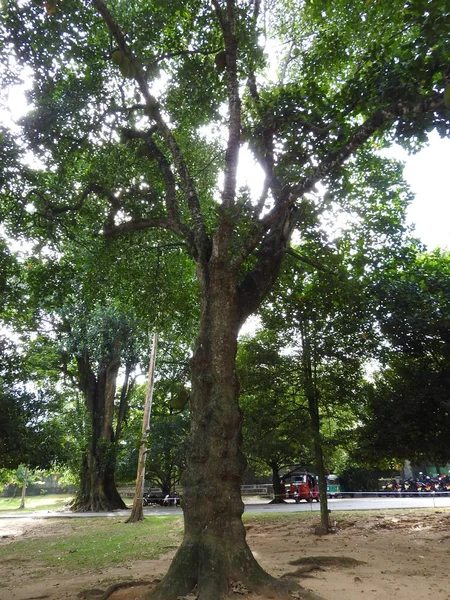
(290,507)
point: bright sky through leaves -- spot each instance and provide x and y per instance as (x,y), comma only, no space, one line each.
(426,173)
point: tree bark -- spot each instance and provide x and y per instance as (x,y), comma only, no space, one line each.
(98,491)
(214,551)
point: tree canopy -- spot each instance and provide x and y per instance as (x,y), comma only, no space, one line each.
(137,114)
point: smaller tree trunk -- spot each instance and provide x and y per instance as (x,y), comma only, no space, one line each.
(137,512)
(277,499)
(313,406)
(24,488)
(323,498)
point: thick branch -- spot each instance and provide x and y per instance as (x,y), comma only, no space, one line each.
(271,221)
(382,117)
(277,226)
(139,225)
(52,210)
(228,23)
(169,180)
(227,19)
(262,276)
(153,111)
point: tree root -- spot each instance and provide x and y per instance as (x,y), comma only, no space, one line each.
(278,590)
(123,585)
(209,570)
(302,571)
(209,573)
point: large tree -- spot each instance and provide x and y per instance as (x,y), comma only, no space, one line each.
(408,402)
(130,129)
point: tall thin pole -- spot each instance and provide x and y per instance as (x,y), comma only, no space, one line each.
(137,512)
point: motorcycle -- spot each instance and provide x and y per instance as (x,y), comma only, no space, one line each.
(444,484)
(409,487)
(392,488)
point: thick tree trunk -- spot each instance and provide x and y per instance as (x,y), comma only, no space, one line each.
(214,551)
(98,491)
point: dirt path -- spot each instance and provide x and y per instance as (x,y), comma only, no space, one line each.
(403,555)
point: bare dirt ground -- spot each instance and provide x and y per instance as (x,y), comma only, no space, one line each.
(405,555)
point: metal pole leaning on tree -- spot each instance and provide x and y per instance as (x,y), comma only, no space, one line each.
(137,512)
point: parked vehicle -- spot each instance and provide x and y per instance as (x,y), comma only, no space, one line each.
(172,499)
(444,483)
(409,487)
(152,498)
(335,487)
(392,487)
(301,486)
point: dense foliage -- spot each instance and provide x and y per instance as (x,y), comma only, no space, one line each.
(126,162)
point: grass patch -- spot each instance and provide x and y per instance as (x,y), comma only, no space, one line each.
(95,543)
(50,502)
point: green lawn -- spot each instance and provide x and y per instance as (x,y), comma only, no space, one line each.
(32,503)
(94,543)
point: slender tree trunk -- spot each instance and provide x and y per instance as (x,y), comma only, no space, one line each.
(313,405)
(24,488)
(123,404)
(214,551)
(137,512)
(277,499)
(318,456)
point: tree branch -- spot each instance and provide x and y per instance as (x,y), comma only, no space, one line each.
(173,214)
(227,19)
(275,229)
(365,131)
(308,261)
(139,225)
(262,276)
(153,112)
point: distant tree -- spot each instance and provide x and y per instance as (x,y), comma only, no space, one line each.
(276,428)
(100,344)
(408,402)
(31,431)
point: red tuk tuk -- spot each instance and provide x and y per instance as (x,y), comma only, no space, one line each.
(300,486)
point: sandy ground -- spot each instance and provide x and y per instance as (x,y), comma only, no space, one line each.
(405,555)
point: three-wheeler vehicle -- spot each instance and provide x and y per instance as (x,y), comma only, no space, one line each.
(335,488)
(301,486)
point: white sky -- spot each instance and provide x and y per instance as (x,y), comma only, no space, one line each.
(427,174)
